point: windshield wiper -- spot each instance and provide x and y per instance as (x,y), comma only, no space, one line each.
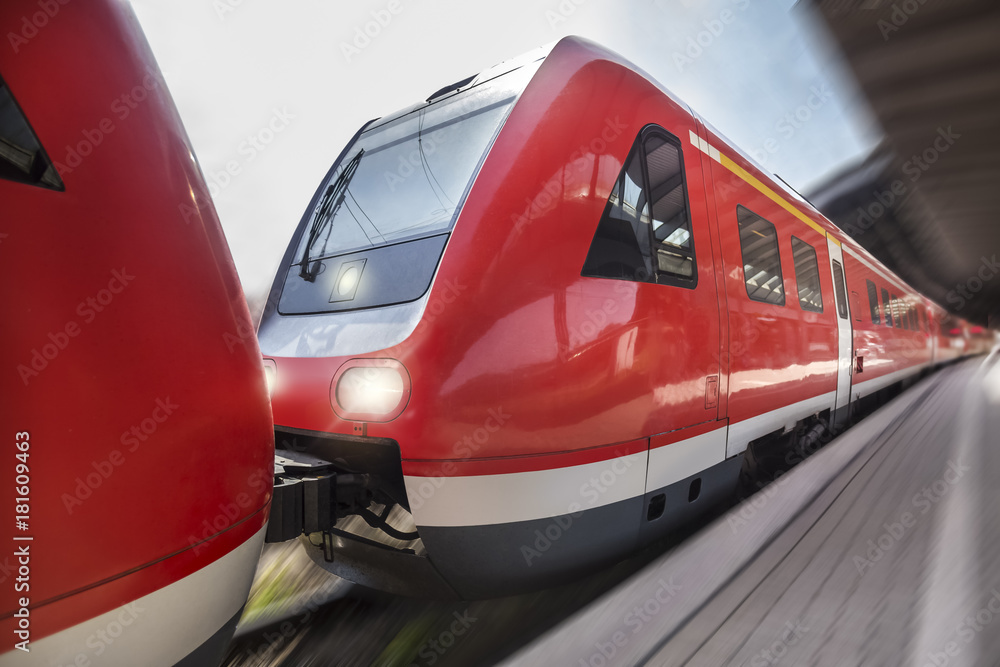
(332,200)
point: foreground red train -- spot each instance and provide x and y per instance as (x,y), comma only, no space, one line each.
(138,462)
(534,322)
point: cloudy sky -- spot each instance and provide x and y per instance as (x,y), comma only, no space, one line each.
(271,91)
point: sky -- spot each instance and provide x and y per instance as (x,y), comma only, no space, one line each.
(270,92)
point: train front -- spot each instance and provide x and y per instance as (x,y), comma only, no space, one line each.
(353,327)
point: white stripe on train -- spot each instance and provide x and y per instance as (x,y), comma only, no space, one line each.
(161,628)
(480,500)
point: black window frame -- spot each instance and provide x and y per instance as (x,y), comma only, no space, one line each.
(667,277)
(890,321)
(651,273)
(42,172)
(777,250)
(873,305)
(795,265)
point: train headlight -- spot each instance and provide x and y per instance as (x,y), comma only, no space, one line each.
(374,390)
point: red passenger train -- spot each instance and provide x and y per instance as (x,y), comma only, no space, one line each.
(138,457)
(534,322)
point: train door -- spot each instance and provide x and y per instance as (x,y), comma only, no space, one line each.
(844,332)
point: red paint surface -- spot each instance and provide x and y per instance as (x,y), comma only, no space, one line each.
(171,350)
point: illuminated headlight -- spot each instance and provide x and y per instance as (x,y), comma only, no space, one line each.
(270,376)
(371,390)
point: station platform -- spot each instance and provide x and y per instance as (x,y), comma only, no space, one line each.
(883,548)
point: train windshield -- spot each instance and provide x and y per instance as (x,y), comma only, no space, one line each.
(406,178)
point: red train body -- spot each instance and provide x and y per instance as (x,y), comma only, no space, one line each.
(134,395)
(543,314)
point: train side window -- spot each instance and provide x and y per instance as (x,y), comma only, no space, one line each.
(887,307)
(873,302)
(897,309)
(923,317)
(22,157)
(840,289)
(620,248)
(671,222)
(761,260)
(807,276)
(914,325)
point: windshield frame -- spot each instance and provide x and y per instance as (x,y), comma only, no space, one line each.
(300,257)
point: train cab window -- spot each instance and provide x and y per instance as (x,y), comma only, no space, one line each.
(621,246)
(761,261)
(807,276)
(22,158)
(887,306)
(873,302)
(671,223)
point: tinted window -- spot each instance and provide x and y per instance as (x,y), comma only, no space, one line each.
(22,158)
(840,289)
(887,306)
(873,302)
(923,316)
(620,248)
(897,311)
(406,178)
(761,261)
(671,222)
(913,319)
(807,276)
